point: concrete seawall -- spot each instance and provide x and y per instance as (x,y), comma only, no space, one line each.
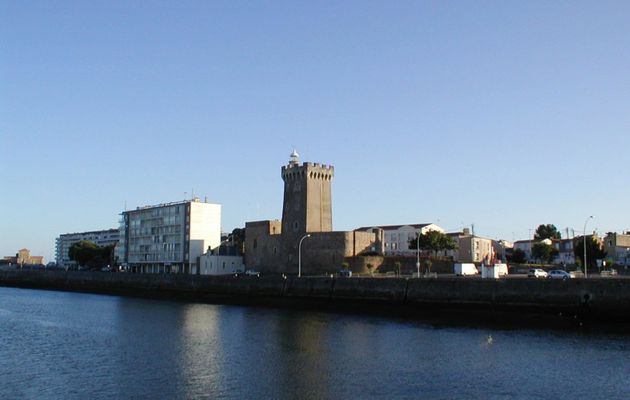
(606,300)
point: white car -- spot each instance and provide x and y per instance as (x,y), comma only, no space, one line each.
(537,273)
(559,274)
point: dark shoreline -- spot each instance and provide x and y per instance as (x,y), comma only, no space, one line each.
(594,305)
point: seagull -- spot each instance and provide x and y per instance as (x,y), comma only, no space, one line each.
(489,339)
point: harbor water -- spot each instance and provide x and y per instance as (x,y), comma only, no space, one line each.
(62,345)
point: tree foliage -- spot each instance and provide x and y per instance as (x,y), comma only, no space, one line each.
(237,238)
(518,256)
(544,252)
(88,254)
(548,231)
(433,241)
(594,250)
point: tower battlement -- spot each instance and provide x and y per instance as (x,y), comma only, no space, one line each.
(308,170)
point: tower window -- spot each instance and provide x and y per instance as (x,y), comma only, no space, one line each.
(295,226)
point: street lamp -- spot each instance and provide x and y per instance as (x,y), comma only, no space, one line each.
(300,255)
(584,245)
(418,254)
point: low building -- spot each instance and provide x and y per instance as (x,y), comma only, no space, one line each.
(566,254)
(168,238)
(526,247)
(23,257)
(475,249)
(397,237)
(107,237)
(564,248)
(617,247)
(215,264)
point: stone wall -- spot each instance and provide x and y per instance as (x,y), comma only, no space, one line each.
(262,244)
(576,299)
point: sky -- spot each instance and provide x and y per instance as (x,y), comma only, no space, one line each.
(501,114)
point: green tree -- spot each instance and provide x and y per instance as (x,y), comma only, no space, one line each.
(88,254)
(544,252)
(433,241)
(594,250)
(237,238)
(548,231)
(518,256)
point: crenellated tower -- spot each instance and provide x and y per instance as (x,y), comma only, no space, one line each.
(307,203)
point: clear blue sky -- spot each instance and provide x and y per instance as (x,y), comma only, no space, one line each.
(503,114)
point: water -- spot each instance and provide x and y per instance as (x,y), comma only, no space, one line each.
(56,345)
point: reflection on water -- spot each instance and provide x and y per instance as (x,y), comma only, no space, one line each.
(57,345)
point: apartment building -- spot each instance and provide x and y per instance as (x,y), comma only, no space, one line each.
(63,243)
(168,238)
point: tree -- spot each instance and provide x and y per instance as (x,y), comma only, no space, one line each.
(237,238)
(518,256)
(433,241)
(544,252)
(548,231)
(594,250)
(88,254)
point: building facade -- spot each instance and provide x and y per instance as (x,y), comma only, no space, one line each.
(564,248)
(63,243)
(617,247)
(214,264)
(168,238)
(304,237)
(474,249)
(397,237)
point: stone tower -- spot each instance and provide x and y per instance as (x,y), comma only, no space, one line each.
(307,203)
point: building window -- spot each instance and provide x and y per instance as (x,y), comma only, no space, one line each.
(295,226)
(255,243)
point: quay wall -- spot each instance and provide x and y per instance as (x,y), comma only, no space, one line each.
(606,299)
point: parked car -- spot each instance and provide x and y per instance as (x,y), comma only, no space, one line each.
(537,273)
(251,272)
(345,273)
(559,274)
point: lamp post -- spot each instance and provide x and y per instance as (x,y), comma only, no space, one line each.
(300,254)
(418,254)
(584,245)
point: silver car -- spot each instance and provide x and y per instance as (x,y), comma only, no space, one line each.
(536,273)
(559,274)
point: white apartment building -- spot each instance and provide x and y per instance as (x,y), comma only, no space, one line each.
(397,237)
(63,242)
(168,238)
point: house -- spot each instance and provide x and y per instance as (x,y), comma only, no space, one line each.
(617,247)
(472,248)
(397,237)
